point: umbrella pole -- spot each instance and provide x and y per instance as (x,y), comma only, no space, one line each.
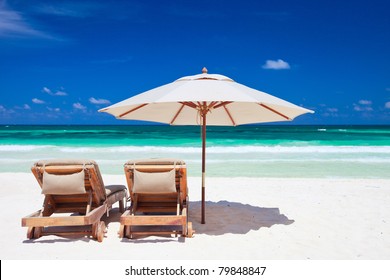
(203,167)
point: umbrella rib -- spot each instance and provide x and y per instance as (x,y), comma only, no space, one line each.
(189,104)
(132,110)
(177,114)
(230,116)
(222,104)
(211,105)
(274,111)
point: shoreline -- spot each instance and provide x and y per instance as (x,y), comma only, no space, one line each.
(246,218)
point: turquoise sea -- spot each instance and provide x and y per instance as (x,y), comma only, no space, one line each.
(248,151)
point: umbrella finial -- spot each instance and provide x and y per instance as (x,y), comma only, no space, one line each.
(204,70)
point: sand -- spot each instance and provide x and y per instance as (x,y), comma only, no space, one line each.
(246,218)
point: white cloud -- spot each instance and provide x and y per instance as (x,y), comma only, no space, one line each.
(4,111)
(12,24)
(332,110)
(79,106)
(53,109)
(75,9)
(60,92)
(387,105)
(365,102)
(38,101)
(99,101)
(59,11)
(24,107)
(358,108)
(276,64)
(363,106)
(46,90)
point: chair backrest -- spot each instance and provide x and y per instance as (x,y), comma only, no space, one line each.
(70,181)
(156,176)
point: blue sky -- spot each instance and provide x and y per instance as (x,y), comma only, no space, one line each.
(61,61)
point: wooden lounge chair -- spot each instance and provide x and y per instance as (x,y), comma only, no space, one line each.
(75,199)
(159,199)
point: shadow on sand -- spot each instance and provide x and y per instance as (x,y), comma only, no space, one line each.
(232,217)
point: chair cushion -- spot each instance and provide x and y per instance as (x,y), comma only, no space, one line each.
(153,161)
(60,162)
(111,189)
(64,183)
(154,182)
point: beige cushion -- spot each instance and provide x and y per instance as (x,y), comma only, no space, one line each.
(155,161)
(154,182)
(63,184)
(59,162)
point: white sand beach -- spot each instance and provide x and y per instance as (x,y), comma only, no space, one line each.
(246,218)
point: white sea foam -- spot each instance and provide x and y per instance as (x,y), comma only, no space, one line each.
(233,149)
(301,150)
(306,160)
(298,160)
(129,149)
(23,148)
(356,162)
(196,150)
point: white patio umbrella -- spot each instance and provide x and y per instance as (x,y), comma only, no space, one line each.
(205,99)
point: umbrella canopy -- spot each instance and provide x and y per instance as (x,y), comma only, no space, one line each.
(205,99)
(227,102)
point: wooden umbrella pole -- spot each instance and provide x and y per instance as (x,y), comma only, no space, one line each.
(203,167)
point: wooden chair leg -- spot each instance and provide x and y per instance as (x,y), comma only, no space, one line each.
(127,231)
(121,232)
(30,233)
(122,205)
(37,232)
(94,230)
(190,231)
(101,230)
